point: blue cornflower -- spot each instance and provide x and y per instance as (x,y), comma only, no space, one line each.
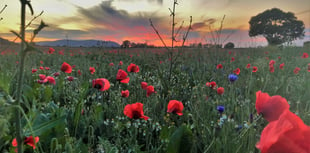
(220,108)
(232,77)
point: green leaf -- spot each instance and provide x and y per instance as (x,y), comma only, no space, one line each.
(181,141)
(45,126)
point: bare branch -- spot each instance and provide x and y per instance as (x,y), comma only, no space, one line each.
(188,29)
(156,31)
(178,31)
(3,8)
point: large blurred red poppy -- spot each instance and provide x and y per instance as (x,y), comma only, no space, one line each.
(133,68)
(135,111)
(101,83)
(270,107)
(287,134)
(175,107)
(65,67)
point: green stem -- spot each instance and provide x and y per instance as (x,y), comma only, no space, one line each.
(19,131)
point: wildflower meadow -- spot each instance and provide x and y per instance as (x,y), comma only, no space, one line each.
(121,100)
(168,99)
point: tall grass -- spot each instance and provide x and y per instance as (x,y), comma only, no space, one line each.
(74,117)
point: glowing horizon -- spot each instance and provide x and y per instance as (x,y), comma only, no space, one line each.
(118,20)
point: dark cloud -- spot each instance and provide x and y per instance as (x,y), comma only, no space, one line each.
(158,1)
(204,24)
(117,23)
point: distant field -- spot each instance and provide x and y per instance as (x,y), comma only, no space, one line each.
(72,115)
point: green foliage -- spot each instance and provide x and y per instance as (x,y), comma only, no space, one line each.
(276,26)
(74,117)
(181,141)
(229,45)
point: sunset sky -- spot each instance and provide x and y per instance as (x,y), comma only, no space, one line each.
(118,20)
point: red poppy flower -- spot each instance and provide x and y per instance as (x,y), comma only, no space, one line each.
(51,80)
(149,90)
(101,83)
(51,50)
(70,78)
(232,59)
(133,68)
(41,62)
(296,70)
(125,93)
(56,74)
(61,52)
(175,107)
(143,85)
(219,66)
(281,66)
(42,76)
(220,90)
(272,62)
(47,68)
(305,55)
(120,63)
(79,72)
(211,84)
(65,67)
(237,71)
(254,69)
(248,66)
(28,140)
(41,68)
(92,70)
(271,68)
(135,111)
(111,64)
(122,76)
(270,107)
(308,67)
(287,134)
(34,70)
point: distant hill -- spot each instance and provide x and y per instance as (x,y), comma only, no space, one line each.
(5,42)
(79,43)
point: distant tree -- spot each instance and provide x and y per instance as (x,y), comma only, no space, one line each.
(307,44)
(125,44)
(276,26)
(229,45)
(133,45)
(199,45)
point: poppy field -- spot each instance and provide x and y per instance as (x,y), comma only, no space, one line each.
(195,100)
